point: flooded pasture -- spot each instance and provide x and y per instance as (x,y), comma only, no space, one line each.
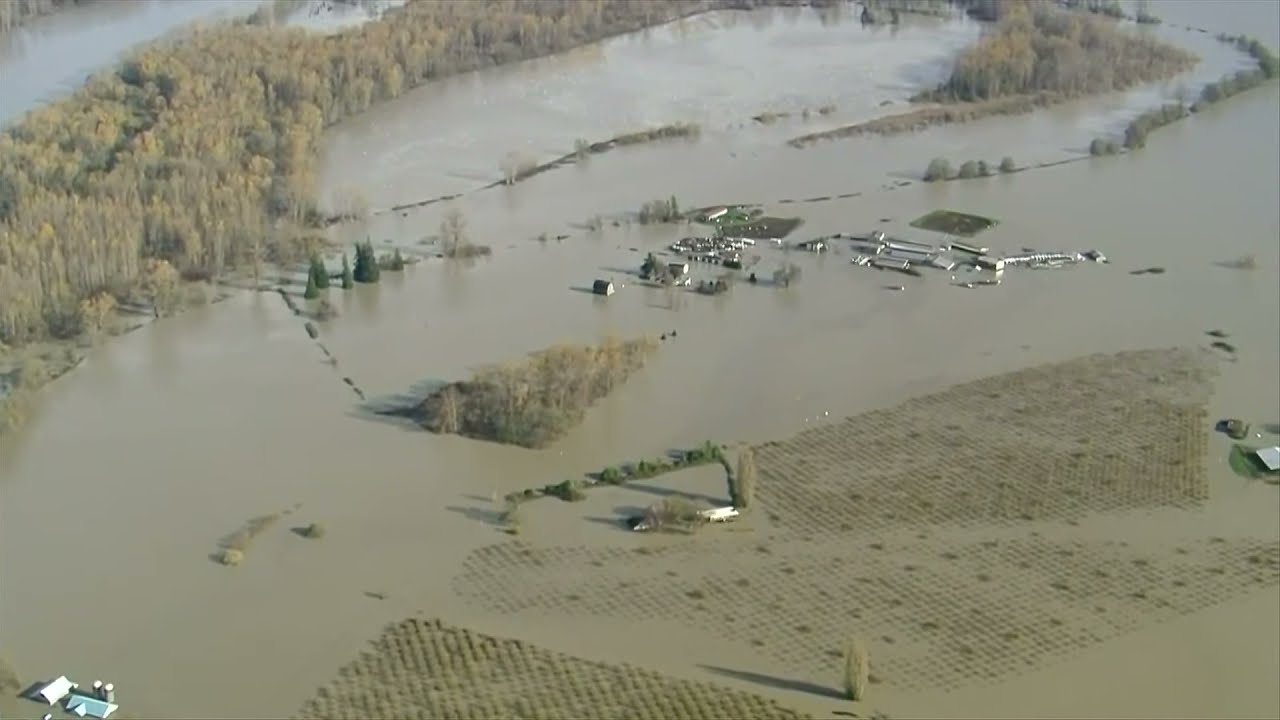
(172,436)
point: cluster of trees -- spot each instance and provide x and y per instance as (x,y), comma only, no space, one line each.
(1135,134)
(1036,48)
(534,401)
(455,243)
(1268,69)
(660,211)
(202,151)
(14,13)
(786,275)
(940,169)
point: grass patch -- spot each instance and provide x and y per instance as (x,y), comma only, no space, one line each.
(1245,463)
(953,223)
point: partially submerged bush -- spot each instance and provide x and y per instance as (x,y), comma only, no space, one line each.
(532,402)
(569,490)
(660,211)
(230,557)
(1101,146)
(673,513)
(939,169)
(232,549)
(314,531)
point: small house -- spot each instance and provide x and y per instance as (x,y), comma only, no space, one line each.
(85,706)
(55,690)
(678,269)
(1269,457)
(602,287)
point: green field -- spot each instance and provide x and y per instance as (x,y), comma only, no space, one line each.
(953,223)
(746,221)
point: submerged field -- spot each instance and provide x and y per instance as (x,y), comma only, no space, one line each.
(421,668)
(947,531)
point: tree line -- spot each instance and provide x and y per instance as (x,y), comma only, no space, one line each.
(201,151)
(1037,48)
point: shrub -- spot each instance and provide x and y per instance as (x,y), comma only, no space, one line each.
(1101,146)
(230,557)
(939,169)
(1007,165)
(314,531)
(984,169)
(672,513)
(611,475)
(969,169)
(96,311)
(569,491)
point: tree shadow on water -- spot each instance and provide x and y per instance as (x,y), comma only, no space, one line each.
(488,516)
(397,409)
(779,683)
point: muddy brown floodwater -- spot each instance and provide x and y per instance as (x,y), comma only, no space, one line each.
(167,439)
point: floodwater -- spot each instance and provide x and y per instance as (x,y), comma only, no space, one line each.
(718,70)
(169,438)
(52,55)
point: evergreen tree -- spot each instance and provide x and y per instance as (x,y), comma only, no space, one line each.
(319,272)
(367,270)
(397,260)
(312,292)
(348,281)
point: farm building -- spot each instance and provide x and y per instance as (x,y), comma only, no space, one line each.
(84,706)
(602,287)
(1269,457)
(986,262)
(678,269)
(54,691)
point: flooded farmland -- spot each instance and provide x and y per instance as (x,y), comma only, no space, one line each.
(172,436)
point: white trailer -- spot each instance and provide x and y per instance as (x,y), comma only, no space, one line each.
(721,514)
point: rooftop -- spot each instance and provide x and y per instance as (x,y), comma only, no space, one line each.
(85,706)
(1270,457)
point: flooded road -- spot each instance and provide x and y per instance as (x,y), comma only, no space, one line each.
(171,437)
